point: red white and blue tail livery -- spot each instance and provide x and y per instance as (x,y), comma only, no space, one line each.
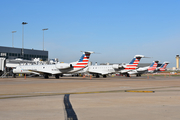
(132,65)
(153,66)
(83,61)
(143,70)
(163,66)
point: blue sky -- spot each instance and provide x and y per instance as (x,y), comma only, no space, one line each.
(118,29)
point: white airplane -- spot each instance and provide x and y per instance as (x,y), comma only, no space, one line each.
(104,70)
(55,69)
(143,70)
(131,66)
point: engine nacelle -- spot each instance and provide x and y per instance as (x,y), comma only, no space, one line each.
(142,69)
(63,65)
(115,66)
(133,72)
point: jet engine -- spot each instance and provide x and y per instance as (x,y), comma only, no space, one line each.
(115,66)
(63,66)
(142,69)
(133,72)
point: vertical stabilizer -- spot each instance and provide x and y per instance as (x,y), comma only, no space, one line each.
(133,64)
(153,66)
(163,66)
(83,61)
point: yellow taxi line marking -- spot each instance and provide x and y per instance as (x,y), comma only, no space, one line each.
(139,91)
(6,96)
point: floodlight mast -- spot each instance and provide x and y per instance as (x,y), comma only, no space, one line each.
(13,38)
(23,23)
(43,37)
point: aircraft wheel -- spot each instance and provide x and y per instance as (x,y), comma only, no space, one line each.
(104,76)
(14,75)
(46,76)
(128,75)
(57,76)
(97,76)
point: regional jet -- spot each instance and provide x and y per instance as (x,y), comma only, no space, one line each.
(143,70)
(104,70)
(55,69)
(131,66)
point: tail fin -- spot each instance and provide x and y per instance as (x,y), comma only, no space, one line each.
(153,66)
(83,61)
(163,66)
(135,61)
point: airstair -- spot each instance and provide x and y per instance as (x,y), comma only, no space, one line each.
(4,74)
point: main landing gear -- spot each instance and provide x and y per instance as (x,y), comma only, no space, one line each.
(104,76)
(14,75)
(46,76)
(127,75)
(97,75)
(57,76)
(138,75)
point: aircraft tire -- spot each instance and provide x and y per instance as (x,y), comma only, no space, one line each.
(57,76)
(104,76)
(46,76)
(97,76)
(14,75)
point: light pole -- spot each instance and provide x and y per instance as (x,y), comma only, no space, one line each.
(23,23)
(13,38)
(43,37)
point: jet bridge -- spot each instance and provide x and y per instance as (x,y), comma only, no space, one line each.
(2,65)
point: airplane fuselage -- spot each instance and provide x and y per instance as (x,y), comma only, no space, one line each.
(101,69)
(49,69)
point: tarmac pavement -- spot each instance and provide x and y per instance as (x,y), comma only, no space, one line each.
(96,99)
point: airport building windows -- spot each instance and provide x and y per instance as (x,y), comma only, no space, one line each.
(12,53)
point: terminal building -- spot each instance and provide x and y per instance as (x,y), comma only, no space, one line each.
(26,54)
(11,57)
